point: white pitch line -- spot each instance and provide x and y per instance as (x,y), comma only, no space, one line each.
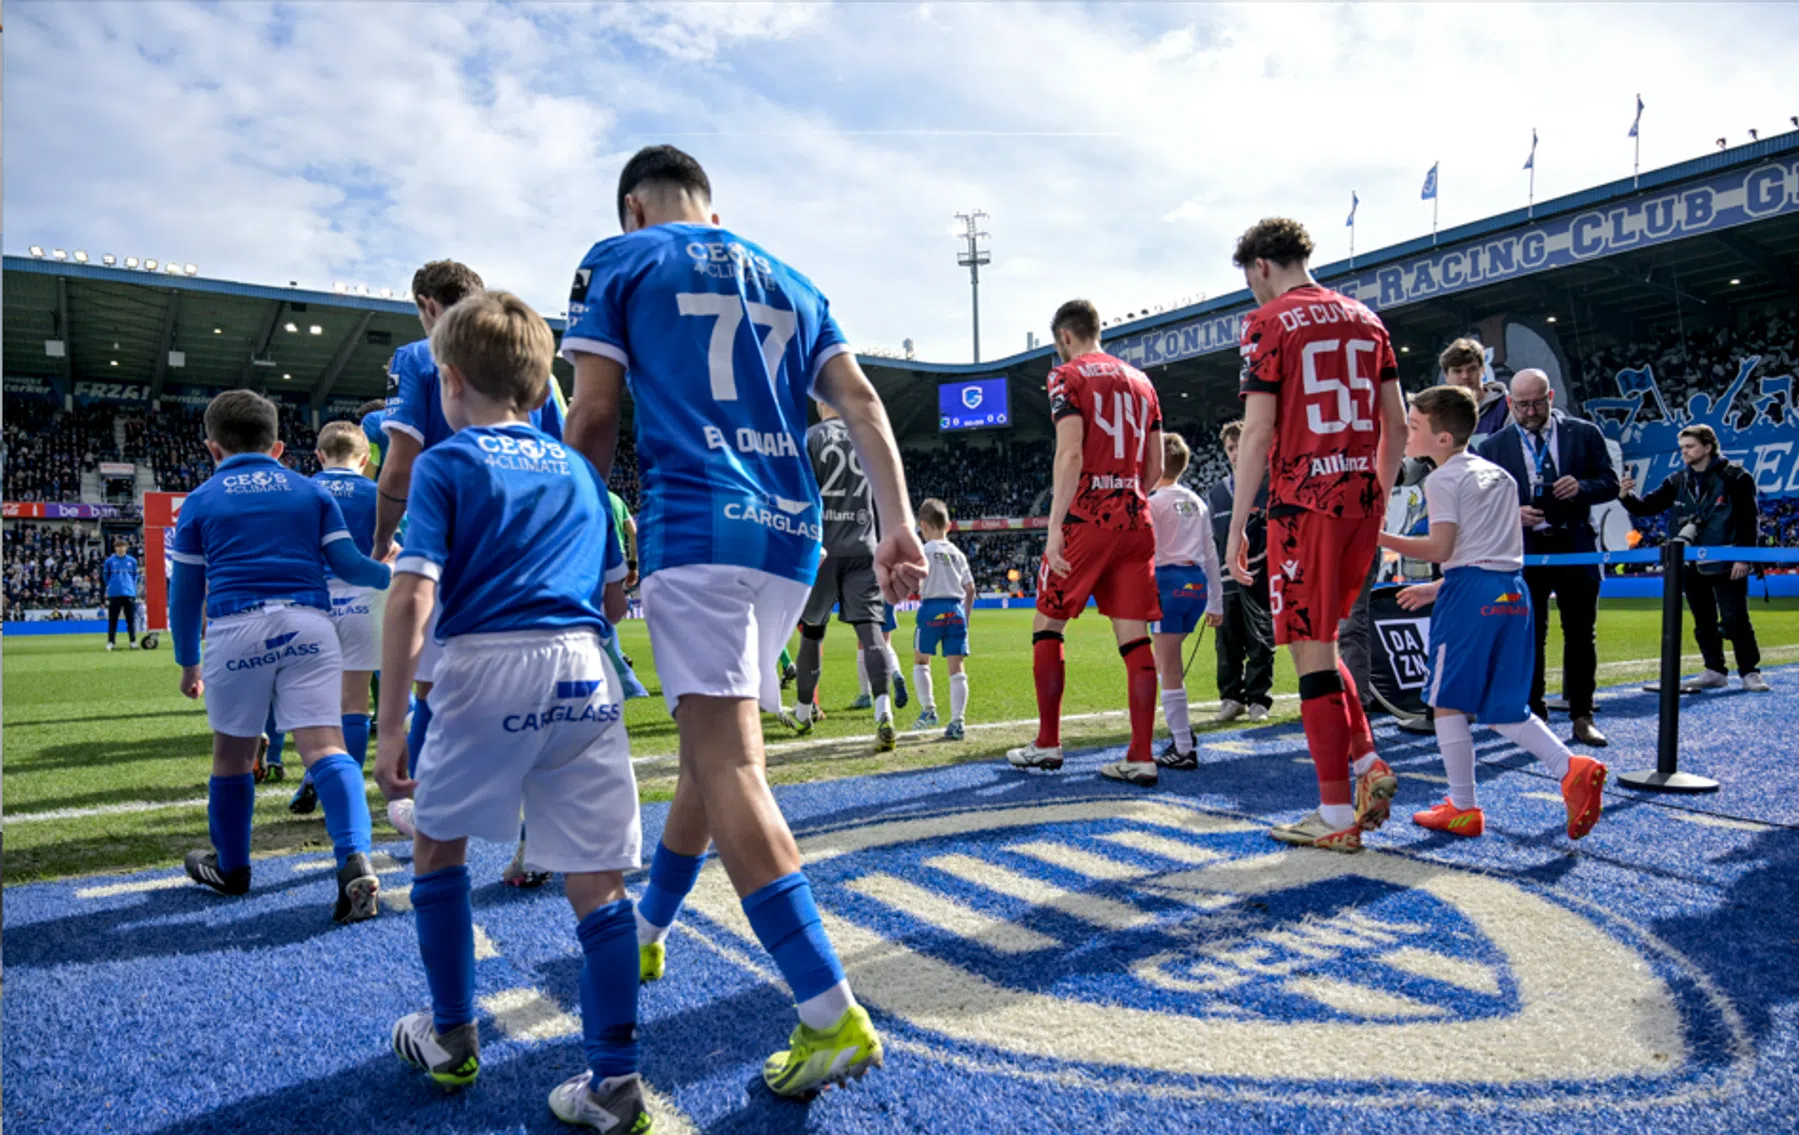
(124,809)
(106,891)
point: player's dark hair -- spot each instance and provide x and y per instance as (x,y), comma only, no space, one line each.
(1461,353)
(445,281)
(1451,410)
(1175,455)
(935,513)
(242,421)
(1079,316)
(661,166)
(1705,435)
(1231,431)
(341,441)
(500,346)
(370,407)
(1278,240)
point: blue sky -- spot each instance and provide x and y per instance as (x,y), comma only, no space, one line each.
(1118,148)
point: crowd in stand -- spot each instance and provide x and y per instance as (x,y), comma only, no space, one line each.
(1691,361)
(55,565)
(48,450)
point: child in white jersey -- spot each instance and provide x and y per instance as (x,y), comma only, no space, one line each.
(1191,588)
(1482,650)
(946,601)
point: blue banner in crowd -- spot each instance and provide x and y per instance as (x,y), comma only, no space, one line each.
(1761,432)
(1730,199)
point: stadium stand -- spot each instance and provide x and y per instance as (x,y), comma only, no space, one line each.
(1690,360)
(53,566)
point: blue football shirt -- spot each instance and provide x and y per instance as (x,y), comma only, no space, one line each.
(259,529)
(414,408)
(356,498)
(515,528)
(121,577)
(721,343)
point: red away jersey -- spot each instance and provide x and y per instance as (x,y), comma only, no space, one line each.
(1323,356)
(1119,410)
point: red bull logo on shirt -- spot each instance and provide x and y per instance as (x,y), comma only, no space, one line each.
(1507,603)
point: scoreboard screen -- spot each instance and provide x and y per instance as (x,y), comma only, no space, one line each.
(975,404)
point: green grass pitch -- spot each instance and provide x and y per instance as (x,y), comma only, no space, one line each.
(107,763)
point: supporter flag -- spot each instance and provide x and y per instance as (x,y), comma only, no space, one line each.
(1354,202)
(1637,121)
(1430,184)
(1531,162)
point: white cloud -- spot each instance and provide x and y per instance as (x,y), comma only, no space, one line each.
(355,141)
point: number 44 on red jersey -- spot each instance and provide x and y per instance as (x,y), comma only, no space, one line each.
(1323,356)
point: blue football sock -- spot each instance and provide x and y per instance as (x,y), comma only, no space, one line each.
(356,737)
(609,983)
(337,778)
(230,801)
(415,737)
(446,929)
(671,876)
(276,739)
(786,923)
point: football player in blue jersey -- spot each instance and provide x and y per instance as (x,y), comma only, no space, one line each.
(120,571)
(721,345)
(414,422)
(355,611)
(239,557)
(509,540)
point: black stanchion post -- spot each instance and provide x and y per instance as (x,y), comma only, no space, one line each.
(1667,776)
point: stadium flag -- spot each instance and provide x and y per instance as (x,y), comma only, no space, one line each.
(1354,204)
(1636,161)
(1530,163)
(1429,193)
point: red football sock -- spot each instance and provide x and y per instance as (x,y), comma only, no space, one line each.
(1140,668)
(1326,719)
(1361,736)
(1051,676)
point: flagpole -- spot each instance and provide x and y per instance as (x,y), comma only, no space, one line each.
(1636,137)
(1435,198)
(1530,205)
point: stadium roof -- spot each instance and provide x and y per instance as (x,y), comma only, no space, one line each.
(121,325)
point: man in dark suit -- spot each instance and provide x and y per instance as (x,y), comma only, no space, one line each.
(1563,470)
(1245,641)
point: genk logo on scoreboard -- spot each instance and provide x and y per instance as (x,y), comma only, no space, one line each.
(1129,938)
(971,397)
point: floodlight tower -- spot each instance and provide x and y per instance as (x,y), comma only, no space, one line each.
(969,229)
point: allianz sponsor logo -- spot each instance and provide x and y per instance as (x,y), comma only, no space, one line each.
(570,705)
(846,516)
(1337,464)
(261,481)
(274,650)
(763,443)
(1110,481)
(1228,962)
(526,454)
(787,516)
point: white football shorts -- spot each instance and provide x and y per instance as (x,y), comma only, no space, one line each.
(531,719)
(718,629)
(356,612)
(279,653)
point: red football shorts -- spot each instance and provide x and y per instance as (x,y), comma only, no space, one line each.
(1316,567)
(1118,568)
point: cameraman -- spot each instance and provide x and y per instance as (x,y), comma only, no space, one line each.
(1714,506)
